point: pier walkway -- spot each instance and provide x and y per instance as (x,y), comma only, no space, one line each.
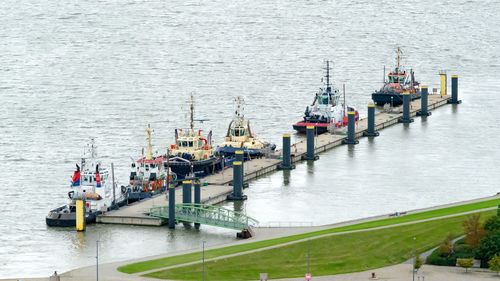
(217,187)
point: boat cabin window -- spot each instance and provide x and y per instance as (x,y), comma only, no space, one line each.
(190,143)
(238,131)
(184,143)
(323,99)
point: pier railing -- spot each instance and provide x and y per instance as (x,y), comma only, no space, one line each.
(207,214)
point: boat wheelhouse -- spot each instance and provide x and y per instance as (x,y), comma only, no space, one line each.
(240,137)
(327,111)
(193,153)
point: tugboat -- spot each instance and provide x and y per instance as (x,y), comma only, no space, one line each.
(240,137)
(396,84)
(192,153)
(327,110)
(92,183)
(149,175)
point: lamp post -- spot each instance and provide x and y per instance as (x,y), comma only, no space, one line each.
(308,253)
(203,263)
(414,258)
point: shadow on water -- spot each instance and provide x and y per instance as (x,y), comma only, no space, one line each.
(286,177)
(238,206)
(350,150)
(310,167)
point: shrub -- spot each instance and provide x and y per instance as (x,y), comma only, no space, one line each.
(492,224)
(460,250)
(488,247)
(494,263)
(435,259)
(418,263)
(466,263)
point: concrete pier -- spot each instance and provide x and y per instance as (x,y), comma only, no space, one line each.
(215,188)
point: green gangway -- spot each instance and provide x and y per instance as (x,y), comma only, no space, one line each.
(206,214)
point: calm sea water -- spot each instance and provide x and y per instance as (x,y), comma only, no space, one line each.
(71,70)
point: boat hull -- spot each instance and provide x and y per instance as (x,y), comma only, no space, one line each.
(248,153)
(319,128)
(58,218)
(381,98)
(201,168)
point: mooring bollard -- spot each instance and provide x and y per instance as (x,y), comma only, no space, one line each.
(186,192)
(406,109)
(424,93)
(370,131)
(171,206)
(310,145)
(237,183)
(454,90)
(351,133)
(287,161)
(197,197)
(80,215)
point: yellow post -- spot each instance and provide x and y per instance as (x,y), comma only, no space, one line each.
(443,83)
(80,215)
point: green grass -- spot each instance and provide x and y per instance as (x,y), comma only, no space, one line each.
(175,260)
(336,254)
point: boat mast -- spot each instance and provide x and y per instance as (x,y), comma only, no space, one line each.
(149,153)
(192,113)
(328,88)
(398,52)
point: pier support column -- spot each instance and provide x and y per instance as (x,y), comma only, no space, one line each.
(237,183)
(197,197)
(454,90)
(240,155)
(370,131)
(287,160)
(351,130)
(310,145)
(171,207)
(424,100)
(406,109)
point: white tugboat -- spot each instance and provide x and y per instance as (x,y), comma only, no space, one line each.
(328,110)
(95,184)
(149,175)
(240,137)
(192,153)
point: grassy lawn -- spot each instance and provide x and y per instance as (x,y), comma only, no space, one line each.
(169,261)
(337,254)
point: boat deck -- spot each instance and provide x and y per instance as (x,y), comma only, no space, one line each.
(218,188)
